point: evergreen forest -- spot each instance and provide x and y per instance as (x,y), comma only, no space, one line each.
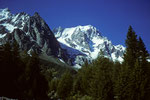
(25,76)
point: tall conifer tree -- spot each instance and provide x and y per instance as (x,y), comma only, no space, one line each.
(131,42)
(133,83)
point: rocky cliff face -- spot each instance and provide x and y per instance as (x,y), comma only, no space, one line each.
(31,32)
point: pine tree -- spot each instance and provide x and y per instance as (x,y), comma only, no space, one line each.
(133,82)
(141,72)
(123,84)
(130,55)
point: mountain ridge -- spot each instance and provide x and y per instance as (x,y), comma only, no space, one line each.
(73,45)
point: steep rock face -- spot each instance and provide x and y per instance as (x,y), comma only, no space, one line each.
(31,33)
(39,31)
(88,41)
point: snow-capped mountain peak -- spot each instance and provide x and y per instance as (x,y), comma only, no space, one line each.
(89,41)
(12,21)
(5,14)
(88,29)
(31,33)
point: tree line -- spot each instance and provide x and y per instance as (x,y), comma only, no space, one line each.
(22,77)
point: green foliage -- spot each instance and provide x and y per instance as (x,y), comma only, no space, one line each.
(133,80)
(83,79)
(94,81)
(65,86)
(102,74)
(131,48)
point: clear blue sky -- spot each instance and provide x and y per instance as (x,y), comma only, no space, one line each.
(111,17)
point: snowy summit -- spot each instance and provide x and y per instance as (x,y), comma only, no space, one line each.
(85,43)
